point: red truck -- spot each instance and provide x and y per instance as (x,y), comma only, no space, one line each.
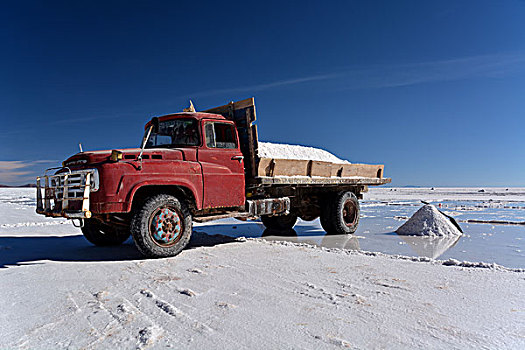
(199,166)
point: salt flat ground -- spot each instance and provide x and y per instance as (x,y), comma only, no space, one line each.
(58,291)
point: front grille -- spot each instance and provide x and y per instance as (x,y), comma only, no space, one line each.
(66,192)
(75,185)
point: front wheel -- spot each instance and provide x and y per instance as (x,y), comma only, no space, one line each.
(341,214)
(103,235)
(162,226)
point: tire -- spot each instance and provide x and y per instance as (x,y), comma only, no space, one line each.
(103,235)
(341,215)
(308,217)
(162,226)
(326,208)
(279,223)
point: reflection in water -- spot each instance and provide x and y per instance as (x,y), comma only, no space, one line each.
(483,243)
(281,233)
(349,242)
(430,247)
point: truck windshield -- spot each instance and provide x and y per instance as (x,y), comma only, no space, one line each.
(175,133)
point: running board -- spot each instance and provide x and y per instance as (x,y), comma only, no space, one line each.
(235,214)
(255,208)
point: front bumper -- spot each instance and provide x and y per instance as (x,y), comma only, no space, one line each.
(66,194)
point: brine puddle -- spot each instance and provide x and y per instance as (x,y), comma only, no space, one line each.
(501,244)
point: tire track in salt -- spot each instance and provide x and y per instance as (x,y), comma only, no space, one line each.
(125,318)
(175,312)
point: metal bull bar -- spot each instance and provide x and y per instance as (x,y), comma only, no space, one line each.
(66,194)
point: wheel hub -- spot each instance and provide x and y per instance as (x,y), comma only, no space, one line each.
(349,213)
(166,226)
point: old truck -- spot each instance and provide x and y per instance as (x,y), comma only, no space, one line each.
(198,166)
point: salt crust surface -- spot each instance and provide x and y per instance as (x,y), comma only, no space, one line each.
(224,294)
(284,151)
(428,221)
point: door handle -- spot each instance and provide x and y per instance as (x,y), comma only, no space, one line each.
(239,158)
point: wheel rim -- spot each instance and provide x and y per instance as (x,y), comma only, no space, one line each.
(166,226)
(349,213)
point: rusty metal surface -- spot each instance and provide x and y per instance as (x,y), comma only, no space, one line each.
(271,206)
(244,115)
(120,181)
(234,214)
(222,171)
(306,180)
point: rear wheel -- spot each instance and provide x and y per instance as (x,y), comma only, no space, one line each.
(103,235)
(326,221)
(341,214)
(162,226)
(281,222)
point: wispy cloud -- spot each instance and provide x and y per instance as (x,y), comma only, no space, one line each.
(17,172)
(485,66)
(9,165)
(270,85)
(397,75)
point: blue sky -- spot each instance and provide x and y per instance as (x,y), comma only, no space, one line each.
(433,90)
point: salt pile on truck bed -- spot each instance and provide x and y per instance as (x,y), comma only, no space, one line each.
(297,152)
(284,160)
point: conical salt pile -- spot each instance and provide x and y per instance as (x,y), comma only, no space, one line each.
(428,221)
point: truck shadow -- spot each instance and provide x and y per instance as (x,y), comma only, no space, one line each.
(26,250)
(29,250)
(18,251)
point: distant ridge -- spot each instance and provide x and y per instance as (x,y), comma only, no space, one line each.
(26,185)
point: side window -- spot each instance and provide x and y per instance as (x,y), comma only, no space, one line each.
(220,135)
(210,135)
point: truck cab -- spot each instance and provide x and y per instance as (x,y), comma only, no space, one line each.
(194,157)
(215,143)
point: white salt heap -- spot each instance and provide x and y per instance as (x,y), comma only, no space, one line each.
(284,151)
(428,221)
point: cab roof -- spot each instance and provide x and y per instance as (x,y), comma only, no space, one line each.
(195,115)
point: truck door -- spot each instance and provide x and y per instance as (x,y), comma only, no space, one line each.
(222,165)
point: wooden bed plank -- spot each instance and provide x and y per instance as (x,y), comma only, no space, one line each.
(294,167)
(318,168)
(364,170)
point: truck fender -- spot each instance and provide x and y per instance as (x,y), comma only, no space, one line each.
(175,187)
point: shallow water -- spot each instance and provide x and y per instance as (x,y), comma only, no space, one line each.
(502,244)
